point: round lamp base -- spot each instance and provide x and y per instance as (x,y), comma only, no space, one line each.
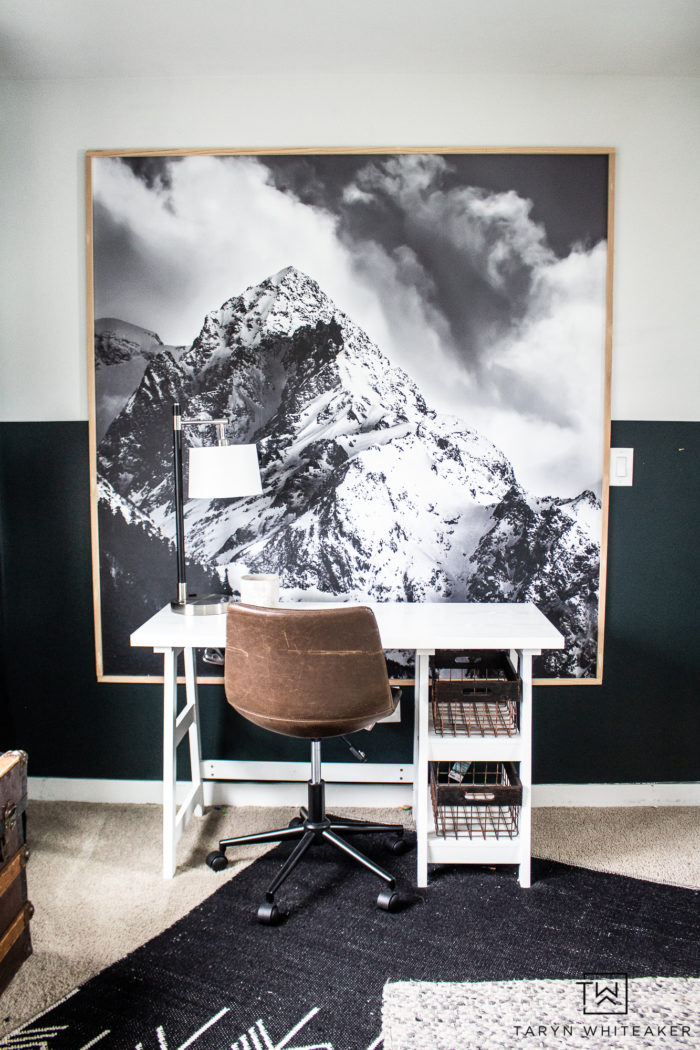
(202,605)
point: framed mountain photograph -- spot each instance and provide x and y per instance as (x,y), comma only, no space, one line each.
(417,341)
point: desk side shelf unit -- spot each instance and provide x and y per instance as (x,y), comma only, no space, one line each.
(473,780)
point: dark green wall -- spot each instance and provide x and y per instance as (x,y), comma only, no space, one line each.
(640,725)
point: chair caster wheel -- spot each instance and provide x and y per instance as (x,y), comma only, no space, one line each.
(269,914)
(295,822)
(216,860)
(389,900)
(399,844)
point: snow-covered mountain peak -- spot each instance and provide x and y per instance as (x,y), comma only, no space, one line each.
(584,509)
(277,306)
(118,341)
(286,301)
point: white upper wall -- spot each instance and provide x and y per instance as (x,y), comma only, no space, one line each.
(47,125)
(51,39)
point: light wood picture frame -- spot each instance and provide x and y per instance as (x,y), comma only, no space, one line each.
(417,339)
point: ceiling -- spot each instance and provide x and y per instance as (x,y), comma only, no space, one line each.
(46,39)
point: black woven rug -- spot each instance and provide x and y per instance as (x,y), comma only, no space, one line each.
(217,979)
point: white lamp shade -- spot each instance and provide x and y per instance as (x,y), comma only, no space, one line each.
(224,471)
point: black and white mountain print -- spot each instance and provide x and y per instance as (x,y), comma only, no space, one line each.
(368,491)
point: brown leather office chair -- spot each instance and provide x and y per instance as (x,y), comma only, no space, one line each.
(311,673)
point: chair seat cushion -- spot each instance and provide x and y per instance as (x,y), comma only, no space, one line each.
(317,728)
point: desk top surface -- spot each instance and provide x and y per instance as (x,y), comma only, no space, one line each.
(402,625)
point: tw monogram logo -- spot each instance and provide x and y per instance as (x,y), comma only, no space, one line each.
(604,993)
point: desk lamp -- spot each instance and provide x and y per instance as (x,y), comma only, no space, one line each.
(221,471)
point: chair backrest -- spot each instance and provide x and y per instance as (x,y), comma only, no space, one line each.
(310,673)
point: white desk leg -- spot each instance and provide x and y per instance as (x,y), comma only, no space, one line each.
(194,732)
(420,767)
(416,740)
(525,834)
(169,759)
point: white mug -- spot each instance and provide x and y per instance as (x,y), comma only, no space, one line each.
(260,588)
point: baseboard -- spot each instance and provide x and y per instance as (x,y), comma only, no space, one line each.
(279,793)
(686,793)
(216,793)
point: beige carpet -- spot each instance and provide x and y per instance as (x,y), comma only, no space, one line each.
(658,843)
(95,875)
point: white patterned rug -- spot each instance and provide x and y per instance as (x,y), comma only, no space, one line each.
(595,1011)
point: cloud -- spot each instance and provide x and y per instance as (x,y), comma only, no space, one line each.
(391,299)
(513,336)
(543,386)
(493,232)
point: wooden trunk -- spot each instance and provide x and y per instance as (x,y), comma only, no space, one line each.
(15,909)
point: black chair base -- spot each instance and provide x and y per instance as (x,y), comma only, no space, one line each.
(315,826)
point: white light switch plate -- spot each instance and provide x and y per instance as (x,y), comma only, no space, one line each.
(621,466)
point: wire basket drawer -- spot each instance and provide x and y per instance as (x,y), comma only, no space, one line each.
(476,800)
(474,694)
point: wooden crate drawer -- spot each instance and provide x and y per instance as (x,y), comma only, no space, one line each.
(476,800)
(474,694)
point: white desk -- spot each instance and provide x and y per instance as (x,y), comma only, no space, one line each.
(424,627)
